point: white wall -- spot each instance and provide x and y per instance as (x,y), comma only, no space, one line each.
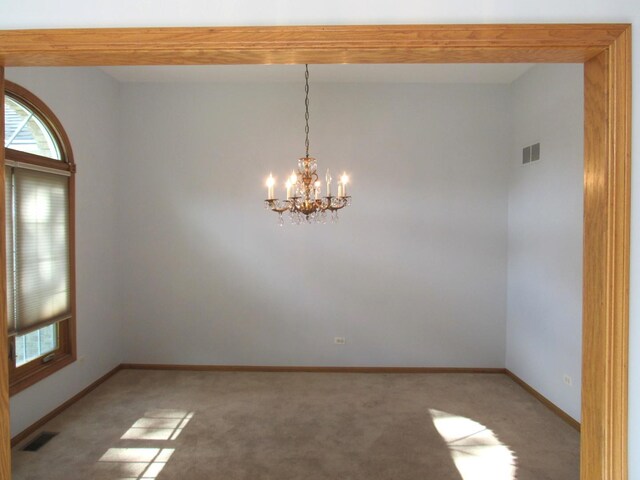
(86,102)
(414,273)
(43,13)
(544,300)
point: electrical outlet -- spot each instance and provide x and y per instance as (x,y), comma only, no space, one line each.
(339,340)
(567,380)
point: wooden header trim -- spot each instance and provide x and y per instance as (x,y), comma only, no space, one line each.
(307,44)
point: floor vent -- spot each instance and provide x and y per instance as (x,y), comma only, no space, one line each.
(40,441)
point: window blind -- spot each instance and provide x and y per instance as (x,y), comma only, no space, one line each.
(41,282)
(8,202)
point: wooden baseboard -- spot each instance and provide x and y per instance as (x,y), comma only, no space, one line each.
(544,400)
(257,368)
(310,369)
(35,426)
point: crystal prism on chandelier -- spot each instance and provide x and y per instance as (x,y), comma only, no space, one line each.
(304,202)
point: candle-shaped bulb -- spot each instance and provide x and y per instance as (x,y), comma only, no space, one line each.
(293,180)
(270,183)
(288,186)
(343,181)
(328,179)
(317,189)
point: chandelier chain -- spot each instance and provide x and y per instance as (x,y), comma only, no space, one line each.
(306,108)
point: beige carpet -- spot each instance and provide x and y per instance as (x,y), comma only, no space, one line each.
(215,426)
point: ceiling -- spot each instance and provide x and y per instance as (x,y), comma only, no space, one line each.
(500,73)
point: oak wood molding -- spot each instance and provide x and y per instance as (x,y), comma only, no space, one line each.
(605,50)
(51,120)
(5,447)
(26,157)
(31,429)
(40,372)
(607,205)
(329,369)
(27,432)
(307,44)
(24,376)
(307,369)
(568,419)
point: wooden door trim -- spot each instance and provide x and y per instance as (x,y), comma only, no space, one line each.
(5,434)
(607,187)
(310,44)
(603,48)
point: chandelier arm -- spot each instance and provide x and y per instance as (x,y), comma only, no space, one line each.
(338,204)
(277,206)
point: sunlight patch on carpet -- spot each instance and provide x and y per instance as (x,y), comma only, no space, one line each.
(136,463)
(158,425)
(476,451)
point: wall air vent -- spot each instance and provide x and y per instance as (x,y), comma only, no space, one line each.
(531,153)
(40,441)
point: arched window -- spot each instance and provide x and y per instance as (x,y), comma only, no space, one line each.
(39,208)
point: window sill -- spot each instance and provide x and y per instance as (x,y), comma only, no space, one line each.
(41,373)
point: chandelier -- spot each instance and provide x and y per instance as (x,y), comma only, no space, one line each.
(304,201)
